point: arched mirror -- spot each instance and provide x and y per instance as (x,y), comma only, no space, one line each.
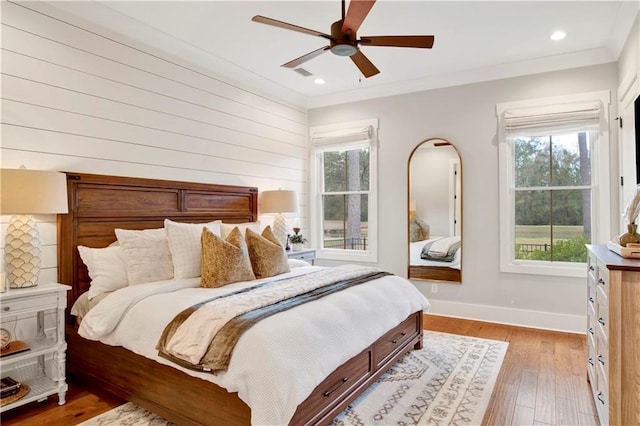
(435,212)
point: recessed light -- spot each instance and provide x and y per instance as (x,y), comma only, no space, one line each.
(319,81)
(558,35)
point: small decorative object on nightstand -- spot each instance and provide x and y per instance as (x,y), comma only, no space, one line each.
(40,368)
(297,240)
(308,255)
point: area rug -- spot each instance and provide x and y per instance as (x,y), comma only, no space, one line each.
(448,382)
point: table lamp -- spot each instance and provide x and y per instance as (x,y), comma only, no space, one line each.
(24,193)
(279,201)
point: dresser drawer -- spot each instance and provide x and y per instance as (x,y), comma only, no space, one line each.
(332,390)
(591,300)
(602,315)
(602,280)
(602,355)
(602,395)
(390,342)
(591,331)
(592,269)
(591,361)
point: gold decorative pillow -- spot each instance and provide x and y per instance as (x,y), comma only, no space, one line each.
(224,261)
(418,230)
(267,256)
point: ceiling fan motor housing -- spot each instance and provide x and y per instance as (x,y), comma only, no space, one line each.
(342,44)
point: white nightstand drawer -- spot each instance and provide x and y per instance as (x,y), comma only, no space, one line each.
(308,255)
(30,304)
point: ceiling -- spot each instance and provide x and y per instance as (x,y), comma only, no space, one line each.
(474,41)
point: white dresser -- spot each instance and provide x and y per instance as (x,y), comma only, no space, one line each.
(36,316)
(613,336)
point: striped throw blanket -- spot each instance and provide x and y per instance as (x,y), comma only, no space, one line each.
(203,336)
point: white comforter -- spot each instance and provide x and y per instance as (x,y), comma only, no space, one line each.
(298,348)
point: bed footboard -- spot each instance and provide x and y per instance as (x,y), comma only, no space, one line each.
(188,400)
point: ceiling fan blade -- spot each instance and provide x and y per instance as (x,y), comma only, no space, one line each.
(287,26)
(358,10)
(425,42)
(305,58)
(364,64)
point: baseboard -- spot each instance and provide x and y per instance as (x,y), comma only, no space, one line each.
(519,317)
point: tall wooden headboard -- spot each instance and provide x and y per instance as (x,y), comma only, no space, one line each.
(99,204)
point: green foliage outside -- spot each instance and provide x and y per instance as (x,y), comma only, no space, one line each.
(572,250)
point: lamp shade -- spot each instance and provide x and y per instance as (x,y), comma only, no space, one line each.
(24,191)
(279,201)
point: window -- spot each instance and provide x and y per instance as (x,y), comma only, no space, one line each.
(554,182)
(344,210)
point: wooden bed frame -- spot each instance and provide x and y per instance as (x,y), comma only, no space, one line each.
(98,205)
(435,273)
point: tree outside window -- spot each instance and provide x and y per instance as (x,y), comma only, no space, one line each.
(345,199)
(552,199)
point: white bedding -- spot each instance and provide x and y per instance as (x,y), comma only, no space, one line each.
(298,348)
(415,249)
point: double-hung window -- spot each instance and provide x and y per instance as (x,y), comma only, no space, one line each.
(554,182)
(344,203)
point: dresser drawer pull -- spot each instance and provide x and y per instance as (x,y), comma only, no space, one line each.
(601,359)
(329,392)
(601,320)
(591,299)
(601,281)
(590,361)
(600,397)
(6,308)
(591,330)
(591,268)
(394,341)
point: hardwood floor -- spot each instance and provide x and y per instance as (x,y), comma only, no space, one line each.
(542,381)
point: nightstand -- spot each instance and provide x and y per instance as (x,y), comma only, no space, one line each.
(35,316)
(308,255)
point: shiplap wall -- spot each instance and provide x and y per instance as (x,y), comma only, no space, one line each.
(76,97)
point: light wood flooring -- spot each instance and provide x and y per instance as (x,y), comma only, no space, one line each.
(542,382)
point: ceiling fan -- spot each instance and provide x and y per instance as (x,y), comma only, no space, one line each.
(343,40)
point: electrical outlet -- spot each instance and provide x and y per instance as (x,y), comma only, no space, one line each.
(434,288)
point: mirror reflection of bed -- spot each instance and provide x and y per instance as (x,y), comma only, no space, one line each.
(435,212)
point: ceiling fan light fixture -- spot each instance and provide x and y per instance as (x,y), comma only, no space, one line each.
(343,50)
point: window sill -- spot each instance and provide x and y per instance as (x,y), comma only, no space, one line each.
(556,269)
(347,255)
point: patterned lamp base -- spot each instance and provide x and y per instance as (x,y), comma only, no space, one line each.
(22,252)
(280,228)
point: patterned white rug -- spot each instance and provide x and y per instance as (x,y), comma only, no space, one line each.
(449,382)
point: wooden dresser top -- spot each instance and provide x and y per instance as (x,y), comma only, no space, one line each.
(612,260)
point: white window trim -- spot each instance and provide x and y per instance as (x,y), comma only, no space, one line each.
(339,136)
(600,212)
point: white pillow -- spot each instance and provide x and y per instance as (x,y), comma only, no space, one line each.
(107,269)
(297,263)
(228,227)
(185,245)
(146,254)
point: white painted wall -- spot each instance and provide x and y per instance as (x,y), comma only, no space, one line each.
(629,60)
(628,91)
(79,98)
(465,115)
